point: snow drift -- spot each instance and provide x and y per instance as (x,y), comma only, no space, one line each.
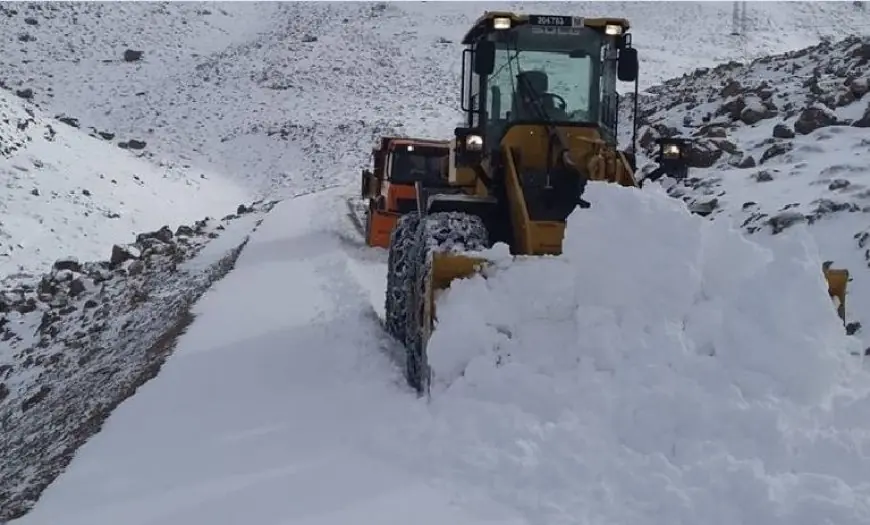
(664,370)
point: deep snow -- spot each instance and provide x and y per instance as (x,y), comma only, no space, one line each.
(249,98)
(667,390)
(778,142)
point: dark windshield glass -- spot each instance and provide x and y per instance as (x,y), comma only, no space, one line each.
(419,164)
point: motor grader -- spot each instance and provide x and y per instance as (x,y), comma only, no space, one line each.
(540,103)
(399,163)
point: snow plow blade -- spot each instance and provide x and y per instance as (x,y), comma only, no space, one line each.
(838,280)
(448,266)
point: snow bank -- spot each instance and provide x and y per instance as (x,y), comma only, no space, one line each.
(664,370)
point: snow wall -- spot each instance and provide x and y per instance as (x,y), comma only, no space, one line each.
(664,370)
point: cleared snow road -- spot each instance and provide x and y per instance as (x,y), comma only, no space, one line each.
(259,416)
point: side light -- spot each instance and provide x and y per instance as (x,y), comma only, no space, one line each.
(671,150)
(474,143)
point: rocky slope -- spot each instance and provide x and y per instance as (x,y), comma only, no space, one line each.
(67,193)
(778,142)
(283,94)
(83,337)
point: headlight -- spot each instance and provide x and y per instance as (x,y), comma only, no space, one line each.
(501,22)
(671,150)
(474,143)
(613,29)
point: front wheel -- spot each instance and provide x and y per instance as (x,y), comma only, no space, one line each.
(454,232)
(399,274)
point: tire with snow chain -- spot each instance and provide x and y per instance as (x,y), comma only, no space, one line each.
(399,275)
(440,232)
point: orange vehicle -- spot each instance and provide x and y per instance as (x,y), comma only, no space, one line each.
(399,164)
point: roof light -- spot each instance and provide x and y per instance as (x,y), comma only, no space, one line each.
(501,22)
(613,29)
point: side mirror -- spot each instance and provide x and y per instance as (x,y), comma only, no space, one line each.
(365,188)
(484,58)
(627,67)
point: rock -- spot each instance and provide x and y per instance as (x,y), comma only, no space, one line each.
(732,88)
(755,111)
(864,121)
(25,93)
(862,51)
(781,131)
(26,306)
(702,154)
(164,234)
(69,121)
(733,108)
(136,144)
(839,184)
(858,87)
(762,176)
(46,287)
(131,55)
(76,287)
(67,263)
(812,119)
(4,391)
(36,398)
(704,208)
(242,209)
(783,220)
(727,146)
(136,268)
(185,231)
(121,254)
(713,131)
(31,21)
(747,162)
(780,148)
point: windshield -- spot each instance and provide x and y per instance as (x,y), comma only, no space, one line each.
(427,165)
(554,71)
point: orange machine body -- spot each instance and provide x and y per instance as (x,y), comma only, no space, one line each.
(399,164)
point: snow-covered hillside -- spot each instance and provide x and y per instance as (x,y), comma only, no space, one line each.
(670,393)
(120,118)
(779,142)
(67,193)
(249,87)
